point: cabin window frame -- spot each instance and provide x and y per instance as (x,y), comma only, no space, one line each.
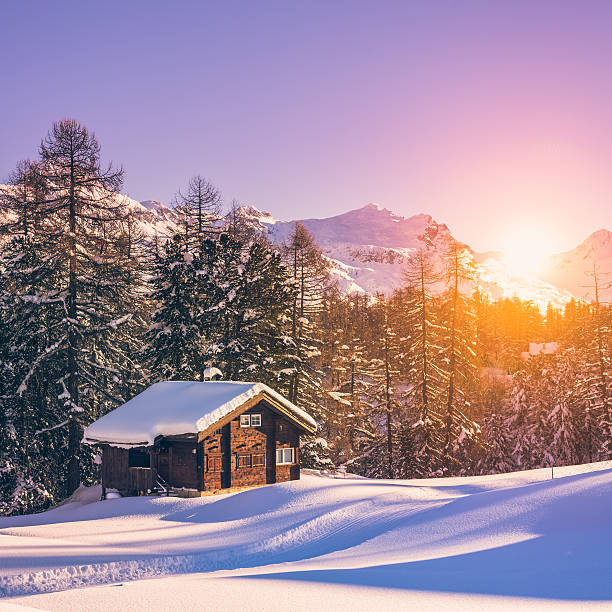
(258,460)
(280,452)
(214,462)
(243,461)
(250,420)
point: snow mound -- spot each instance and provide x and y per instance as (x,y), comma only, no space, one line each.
(520,535)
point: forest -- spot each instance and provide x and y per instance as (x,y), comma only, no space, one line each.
(426,382)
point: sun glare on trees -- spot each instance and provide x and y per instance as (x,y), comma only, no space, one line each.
(525,250)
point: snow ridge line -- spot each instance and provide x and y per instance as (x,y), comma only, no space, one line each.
(83,575)
(305,540)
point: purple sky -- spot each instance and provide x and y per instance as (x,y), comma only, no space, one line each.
(489,116)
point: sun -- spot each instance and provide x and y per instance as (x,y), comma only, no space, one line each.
(525,250)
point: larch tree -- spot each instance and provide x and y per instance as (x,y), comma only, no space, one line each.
(77,220)
(422,440)
(458,357)
(383,380)
(201,206)
(310,273)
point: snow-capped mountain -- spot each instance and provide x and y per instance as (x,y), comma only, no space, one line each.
(573,270)
(153,217)
(368,249)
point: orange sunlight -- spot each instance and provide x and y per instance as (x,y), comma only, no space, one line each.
(525,249)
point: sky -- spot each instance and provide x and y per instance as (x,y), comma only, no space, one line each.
(493,117)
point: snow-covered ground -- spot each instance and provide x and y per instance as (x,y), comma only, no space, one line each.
(493,542)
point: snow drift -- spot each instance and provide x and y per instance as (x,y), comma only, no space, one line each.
(515,535)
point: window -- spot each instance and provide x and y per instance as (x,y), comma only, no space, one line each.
(250,420)
(214,463)
(244,461)
(285,456)
(139,457)
(259,460)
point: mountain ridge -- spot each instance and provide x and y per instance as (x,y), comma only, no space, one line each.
(368,249)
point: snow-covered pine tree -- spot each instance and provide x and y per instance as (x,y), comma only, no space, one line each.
(309,270)
(566,412)
(124,351)
(350,367)
(421,430)
(497,444)
(246,315)
(525,421)
(545,412)
(597,381)
(380,449)
(31,464)
(174,346)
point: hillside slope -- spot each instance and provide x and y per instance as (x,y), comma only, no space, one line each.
(520,535)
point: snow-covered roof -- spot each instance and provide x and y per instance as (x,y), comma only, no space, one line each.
(540,348)
(183,407)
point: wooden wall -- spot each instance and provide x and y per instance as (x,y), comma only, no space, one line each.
(183,467)
(115,468)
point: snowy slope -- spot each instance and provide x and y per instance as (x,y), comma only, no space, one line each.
(573,269)
(492,541)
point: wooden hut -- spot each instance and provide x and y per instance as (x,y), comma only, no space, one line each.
(199,436)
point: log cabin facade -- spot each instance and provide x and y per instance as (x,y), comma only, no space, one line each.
(251,439)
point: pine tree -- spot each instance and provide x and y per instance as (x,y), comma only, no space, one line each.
(599,365)
(174,345)
(31,465)
(310,273)
(383,379)
(245,318)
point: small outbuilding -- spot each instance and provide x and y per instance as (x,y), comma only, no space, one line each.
(200,436)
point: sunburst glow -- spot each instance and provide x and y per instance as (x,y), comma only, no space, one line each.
(525,249)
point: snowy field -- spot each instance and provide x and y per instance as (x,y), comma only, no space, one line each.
(519,540)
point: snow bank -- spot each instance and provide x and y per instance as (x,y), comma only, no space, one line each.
(178,407)
(513,538)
